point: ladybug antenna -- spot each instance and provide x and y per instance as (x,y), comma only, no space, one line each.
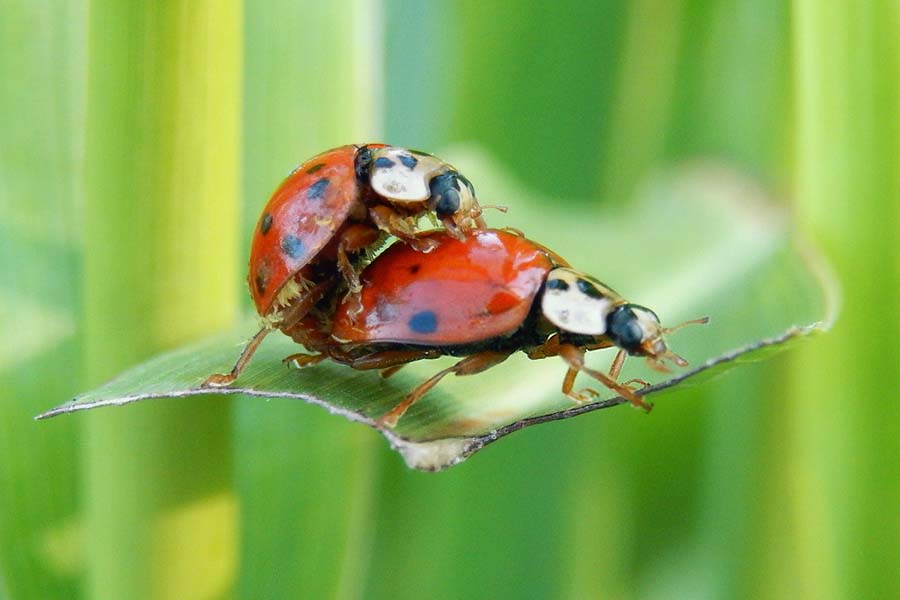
(700,321)
(678,360)
(499,207)
(656,362)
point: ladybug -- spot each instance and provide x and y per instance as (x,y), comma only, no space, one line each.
(484,298)
(317,227)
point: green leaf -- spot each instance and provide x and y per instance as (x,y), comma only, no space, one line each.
(700,241)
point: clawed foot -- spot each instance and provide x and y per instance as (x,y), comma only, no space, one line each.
(636,384)
(388,421)
(584,396)
(636,402)
(218,380)
(588,395)
(385,373)
(423,245)
(354,305)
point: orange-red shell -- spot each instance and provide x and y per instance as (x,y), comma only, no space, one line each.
(459,293)
(301,217)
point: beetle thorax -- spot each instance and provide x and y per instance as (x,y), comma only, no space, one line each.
(577,303)
(400,175)
(412,181)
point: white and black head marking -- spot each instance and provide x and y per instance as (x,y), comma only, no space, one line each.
(580,304)
(452,194)
(403,175)
(577,303)
(636,330)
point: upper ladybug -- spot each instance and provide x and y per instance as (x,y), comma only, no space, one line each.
(319,223)
(345,198)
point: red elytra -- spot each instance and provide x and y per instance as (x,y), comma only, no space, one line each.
(483,298)
(302,216)
(460,293)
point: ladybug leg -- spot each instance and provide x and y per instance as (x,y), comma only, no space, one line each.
(389,359)
(470,365)
(581,396)
(452,229)
(574,356)
(552,345)
(218,380)
(355,239)
(354,287)
(301,360)
(302,303)
(400,227)
(637,384)
(385,373)
(299,306)
(548,348)
(473,220)
(616,367)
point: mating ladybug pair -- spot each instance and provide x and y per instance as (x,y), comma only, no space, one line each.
(462,290)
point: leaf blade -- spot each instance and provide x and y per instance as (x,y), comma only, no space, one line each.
(748,252)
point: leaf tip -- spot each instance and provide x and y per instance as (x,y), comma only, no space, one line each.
(434,455)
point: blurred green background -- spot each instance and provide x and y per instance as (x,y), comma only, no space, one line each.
(138,142)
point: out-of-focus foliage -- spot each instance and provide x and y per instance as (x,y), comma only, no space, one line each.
(775,480)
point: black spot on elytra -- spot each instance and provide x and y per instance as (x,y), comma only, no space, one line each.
(260,281)
(409,161)
(292,246)
(589,289)
(557,284)
(317,190)
(414,269)
(383,162)
(315,168)
(266,224)
(423,322)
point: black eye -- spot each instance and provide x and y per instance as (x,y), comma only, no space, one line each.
(623,328)
(445,194)
(448,203)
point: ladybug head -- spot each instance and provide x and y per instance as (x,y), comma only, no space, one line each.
(636,329)
(453,201)
(582,305)
(402,176)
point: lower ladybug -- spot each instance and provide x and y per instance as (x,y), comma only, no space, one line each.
(317,226)
(484,298)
